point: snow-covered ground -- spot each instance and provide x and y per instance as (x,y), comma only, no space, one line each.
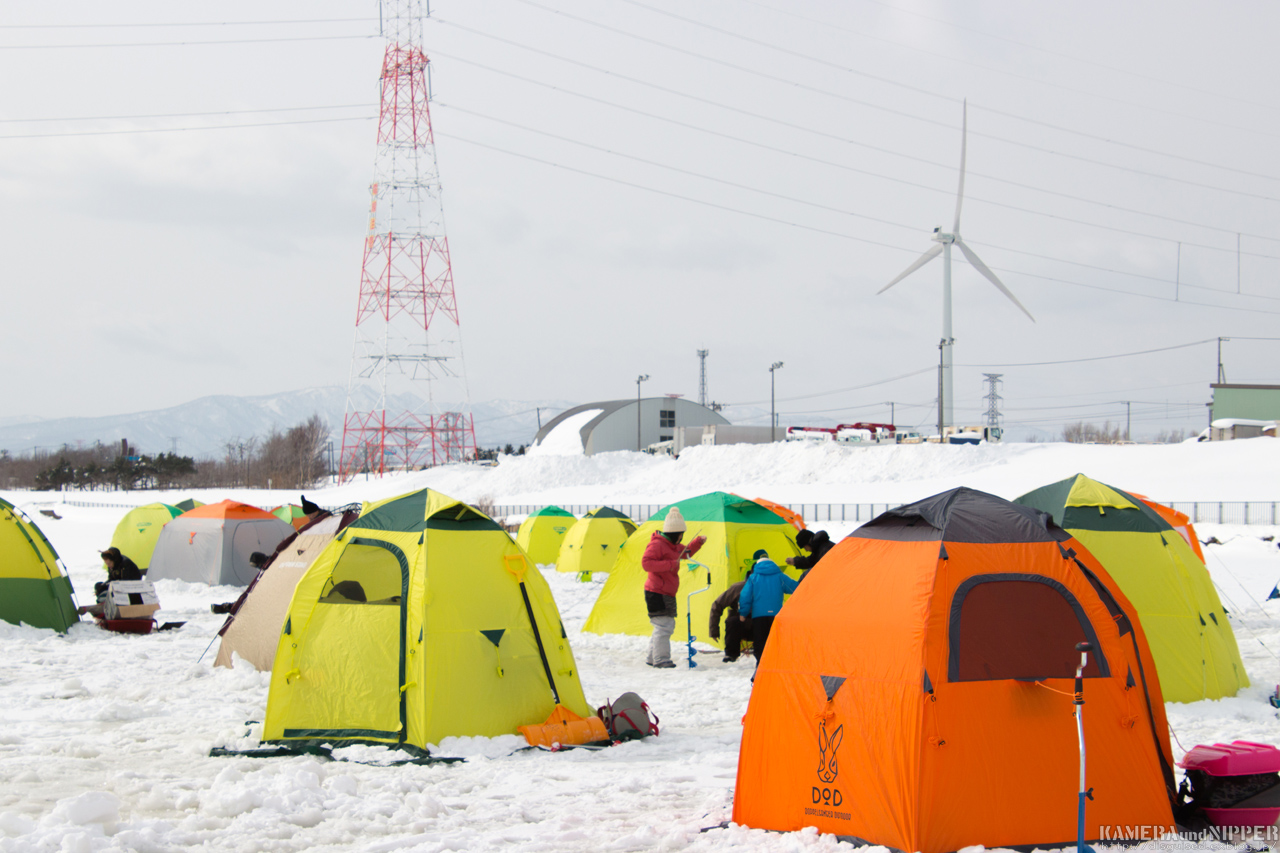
(105,738)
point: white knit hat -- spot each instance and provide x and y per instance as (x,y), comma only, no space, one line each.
(674,522)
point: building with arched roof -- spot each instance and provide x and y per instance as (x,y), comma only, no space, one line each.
(619,425)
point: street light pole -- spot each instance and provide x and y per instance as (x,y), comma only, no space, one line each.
(641,378)
(773,410)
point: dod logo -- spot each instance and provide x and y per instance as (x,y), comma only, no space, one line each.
(827,797)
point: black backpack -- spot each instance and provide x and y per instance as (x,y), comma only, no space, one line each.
(628,718)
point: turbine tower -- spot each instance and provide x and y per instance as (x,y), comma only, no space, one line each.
(408,405)
(945,241)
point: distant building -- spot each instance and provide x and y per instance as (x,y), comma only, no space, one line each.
(1243,411)
(712,434)
(613,425)
(1226,429)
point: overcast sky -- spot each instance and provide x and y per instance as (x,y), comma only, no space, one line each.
(628,181)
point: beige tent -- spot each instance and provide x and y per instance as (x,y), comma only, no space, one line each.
(253,629)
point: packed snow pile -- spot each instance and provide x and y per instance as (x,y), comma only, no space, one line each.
(107,737)
(566,438)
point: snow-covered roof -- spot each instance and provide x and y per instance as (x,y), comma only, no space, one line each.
(565,437)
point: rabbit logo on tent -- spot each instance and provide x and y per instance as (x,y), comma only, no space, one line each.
(828,770)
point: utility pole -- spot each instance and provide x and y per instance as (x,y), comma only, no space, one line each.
(773,409)
(702,376)
(641,378)
(1127,410)
(942,373)
(1222,375)
(892,418)
(1177,276)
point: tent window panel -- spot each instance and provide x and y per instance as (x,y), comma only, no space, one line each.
(1018,629)
(364,575)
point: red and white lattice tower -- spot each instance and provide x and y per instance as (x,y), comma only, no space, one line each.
(407,402)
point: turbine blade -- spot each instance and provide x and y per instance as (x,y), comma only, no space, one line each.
(919,262)
(964,139)
(982,268)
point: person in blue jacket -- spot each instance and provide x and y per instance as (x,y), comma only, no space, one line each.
(761,599)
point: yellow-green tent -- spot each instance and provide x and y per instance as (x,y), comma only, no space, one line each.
(594,542)
(1191,640)
(34,587)
(421,620)
(137,532)
(734,526)
(542,533)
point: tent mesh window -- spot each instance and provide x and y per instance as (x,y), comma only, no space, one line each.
(364,575)
(1018,627)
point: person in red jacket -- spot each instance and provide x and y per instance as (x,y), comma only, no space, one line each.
(661,562)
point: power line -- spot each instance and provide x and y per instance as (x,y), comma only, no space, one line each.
(826,231)
(186,115)
(657,191)
(928,369)
(186,24)
(179,43)
(848,141)
(818,206)
(1102,65)
(1041,82)
(935,122)
(681,171)
(829,208)
(182,129)
(1097,357)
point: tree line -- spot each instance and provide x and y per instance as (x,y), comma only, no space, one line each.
(291,459)
(1083,433)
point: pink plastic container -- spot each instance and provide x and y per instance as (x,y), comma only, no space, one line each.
(1242,817)
(1238,758)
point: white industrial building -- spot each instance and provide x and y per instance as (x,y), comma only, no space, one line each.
(620,425)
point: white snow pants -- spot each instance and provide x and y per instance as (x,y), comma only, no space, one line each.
(660,642)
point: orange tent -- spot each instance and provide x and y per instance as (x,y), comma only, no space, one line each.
(916,691)
(797,521)
(1178,520)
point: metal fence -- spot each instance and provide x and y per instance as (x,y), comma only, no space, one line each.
(811,513)
(1208,512)
(1229,512)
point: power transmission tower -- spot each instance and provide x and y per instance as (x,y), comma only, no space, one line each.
(993,398)
(702,376)
(408,405)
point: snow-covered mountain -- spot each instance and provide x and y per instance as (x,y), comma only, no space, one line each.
(203,427)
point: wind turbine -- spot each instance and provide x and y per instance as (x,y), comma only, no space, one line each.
(944,241)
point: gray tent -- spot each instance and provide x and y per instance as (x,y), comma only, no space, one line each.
(211,544)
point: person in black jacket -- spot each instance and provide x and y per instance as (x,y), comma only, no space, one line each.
(119,568)
(735,630)
(817,543)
